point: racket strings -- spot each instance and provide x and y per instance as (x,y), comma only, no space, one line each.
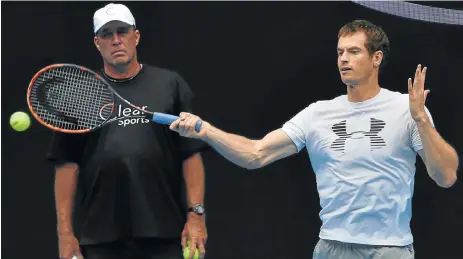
(70,98)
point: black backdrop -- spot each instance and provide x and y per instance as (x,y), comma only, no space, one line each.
(252,66)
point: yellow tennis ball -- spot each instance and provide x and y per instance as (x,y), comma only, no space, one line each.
(186,252)
(20,121)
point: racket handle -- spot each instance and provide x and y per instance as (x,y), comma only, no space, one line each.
(168,119)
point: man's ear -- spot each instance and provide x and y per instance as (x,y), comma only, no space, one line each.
(95,41)
(137,37)
(377,58)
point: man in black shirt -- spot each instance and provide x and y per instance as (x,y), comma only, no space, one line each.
(123,191)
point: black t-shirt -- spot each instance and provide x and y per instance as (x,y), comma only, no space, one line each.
(131,181)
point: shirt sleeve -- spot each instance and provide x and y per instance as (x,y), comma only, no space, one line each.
(415,135)
(297,127)
(185,98)
(66,148)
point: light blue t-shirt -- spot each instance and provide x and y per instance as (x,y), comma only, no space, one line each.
(363,155)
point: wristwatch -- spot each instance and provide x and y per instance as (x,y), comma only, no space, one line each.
(198,209)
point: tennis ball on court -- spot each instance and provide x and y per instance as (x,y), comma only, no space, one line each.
(20,121)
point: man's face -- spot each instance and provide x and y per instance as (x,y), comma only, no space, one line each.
(355,64)
(117,42)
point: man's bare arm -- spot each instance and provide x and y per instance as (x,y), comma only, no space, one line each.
(244,152)
(195,229)
(65,186)
(193,172)
(247,153)
(440,158)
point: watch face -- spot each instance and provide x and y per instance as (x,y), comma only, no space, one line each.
(199,209)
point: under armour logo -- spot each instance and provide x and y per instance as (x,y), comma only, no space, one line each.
(376,142)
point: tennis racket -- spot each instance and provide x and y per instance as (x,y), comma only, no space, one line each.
(73,99)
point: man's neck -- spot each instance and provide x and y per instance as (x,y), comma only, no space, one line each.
(123,71)
(363,91)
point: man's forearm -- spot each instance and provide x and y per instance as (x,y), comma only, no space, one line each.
(193,172)
(442,158)
(65,186)
(237,149)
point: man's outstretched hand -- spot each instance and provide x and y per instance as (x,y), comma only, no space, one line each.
(417,95)
(185,126)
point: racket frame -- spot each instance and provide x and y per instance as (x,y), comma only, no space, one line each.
(97,76)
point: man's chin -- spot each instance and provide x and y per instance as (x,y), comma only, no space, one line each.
(122,61)
(350,82)
(119,64)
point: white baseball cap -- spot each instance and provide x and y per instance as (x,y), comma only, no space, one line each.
(112,12)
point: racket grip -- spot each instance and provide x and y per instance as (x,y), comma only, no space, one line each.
(168,119)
